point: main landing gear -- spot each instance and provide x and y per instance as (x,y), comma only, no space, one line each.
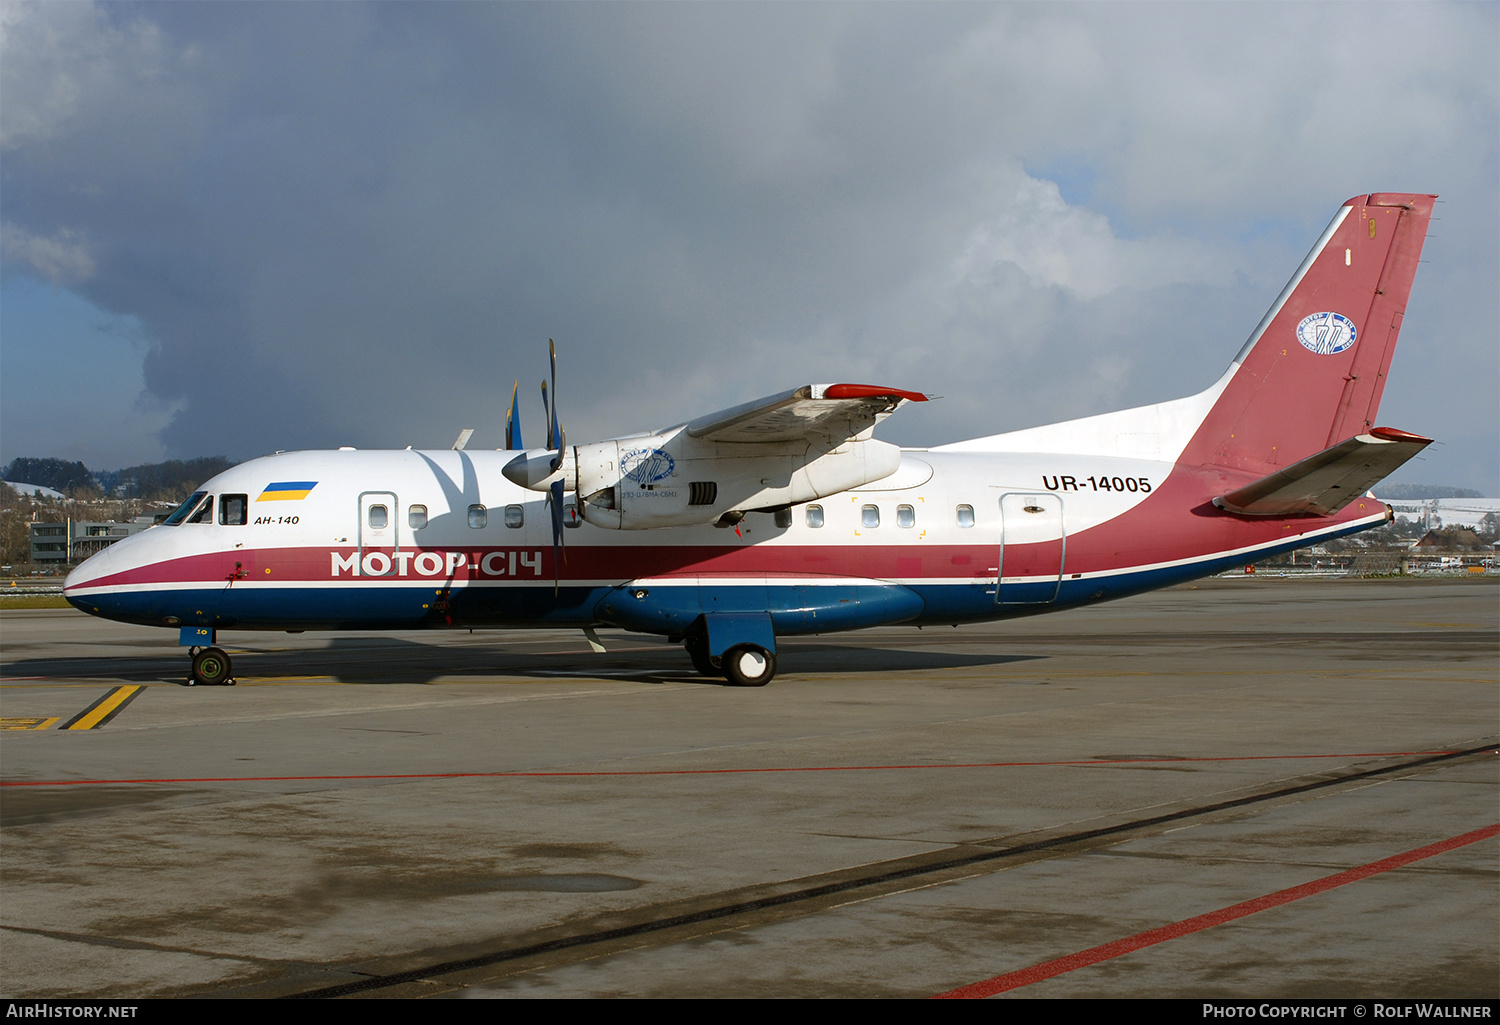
(211,668)
(745,665)
(748,665)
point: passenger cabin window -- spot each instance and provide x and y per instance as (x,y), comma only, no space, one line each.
(570,515)
(784,517)
(379,516)
(815,516)
(906,516)
(869,516)
(478,516)
(515,516)
(966,516)
(205,513)
(234,510)
(416,516)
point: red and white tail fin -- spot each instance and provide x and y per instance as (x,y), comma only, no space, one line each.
(1313,372)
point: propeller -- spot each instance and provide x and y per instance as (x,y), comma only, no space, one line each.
(555,441)
(537,469)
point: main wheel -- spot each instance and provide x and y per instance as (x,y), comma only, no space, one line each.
(697,649)
(748,665)
(211,667)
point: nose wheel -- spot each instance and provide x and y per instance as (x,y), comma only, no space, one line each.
(211,668)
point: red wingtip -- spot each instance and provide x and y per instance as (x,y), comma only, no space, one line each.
(1392,434)
(870,391)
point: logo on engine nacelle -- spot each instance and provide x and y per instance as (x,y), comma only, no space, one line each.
(647,465)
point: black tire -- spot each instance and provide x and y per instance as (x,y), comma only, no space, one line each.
(211,667)
(748,665)
(697,649)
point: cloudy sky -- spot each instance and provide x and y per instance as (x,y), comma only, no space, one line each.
(234,228)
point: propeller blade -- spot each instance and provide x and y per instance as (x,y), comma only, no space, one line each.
(559,549)
(547,412)
(554,430)
(513,419)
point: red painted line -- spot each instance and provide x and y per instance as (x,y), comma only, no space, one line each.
(710,772)
(1094,955)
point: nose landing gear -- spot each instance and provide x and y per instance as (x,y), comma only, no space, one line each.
(211,668)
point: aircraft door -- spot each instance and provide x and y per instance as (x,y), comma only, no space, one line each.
(1033,548)
(378,538)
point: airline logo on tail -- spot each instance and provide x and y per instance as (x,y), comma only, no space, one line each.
(1326,333)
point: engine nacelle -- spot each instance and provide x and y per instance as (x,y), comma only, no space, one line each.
(672,479)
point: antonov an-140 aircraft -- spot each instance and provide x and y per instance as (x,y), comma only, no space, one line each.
(785,516)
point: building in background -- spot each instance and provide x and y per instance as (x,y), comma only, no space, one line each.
(76,540)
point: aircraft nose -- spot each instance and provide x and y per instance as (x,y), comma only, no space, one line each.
(95,567)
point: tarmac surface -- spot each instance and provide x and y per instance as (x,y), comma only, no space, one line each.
(1245,788)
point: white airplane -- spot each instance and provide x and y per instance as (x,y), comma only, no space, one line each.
(785,516)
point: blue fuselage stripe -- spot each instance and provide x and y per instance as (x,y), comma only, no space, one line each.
(669,609)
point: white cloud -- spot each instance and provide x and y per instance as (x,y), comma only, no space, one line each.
(63,259)
(1219,111)
(89,73)
(57,57)
(1076,249)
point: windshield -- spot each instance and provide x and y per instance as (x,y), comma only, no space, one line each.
(186,508)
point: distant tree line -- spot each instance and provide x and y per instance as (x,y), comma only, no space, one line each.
(1415,492)
(172,480)
(175,479)
(50,473)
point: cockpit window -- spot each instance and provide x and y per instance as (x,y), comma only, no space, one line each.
(232,510)
(186,509)
(205,512)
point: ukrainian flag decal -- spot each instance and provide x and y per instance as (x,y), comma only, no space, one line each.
(287,491)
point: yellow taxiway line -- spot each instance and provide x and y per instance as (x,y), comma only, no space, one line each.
(103,710)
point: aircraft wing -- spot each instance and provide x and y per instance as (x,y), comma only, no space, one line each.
(772,453)
(1325,482)
(827,411)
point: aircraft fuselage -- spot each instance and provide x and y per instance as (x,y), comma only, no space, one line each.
(950,537)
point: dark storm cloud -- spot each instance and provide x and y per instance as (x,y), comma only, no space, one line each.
(356,224)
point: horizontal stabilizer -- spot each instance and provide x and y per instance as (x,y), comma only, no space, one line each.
(1325,482)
